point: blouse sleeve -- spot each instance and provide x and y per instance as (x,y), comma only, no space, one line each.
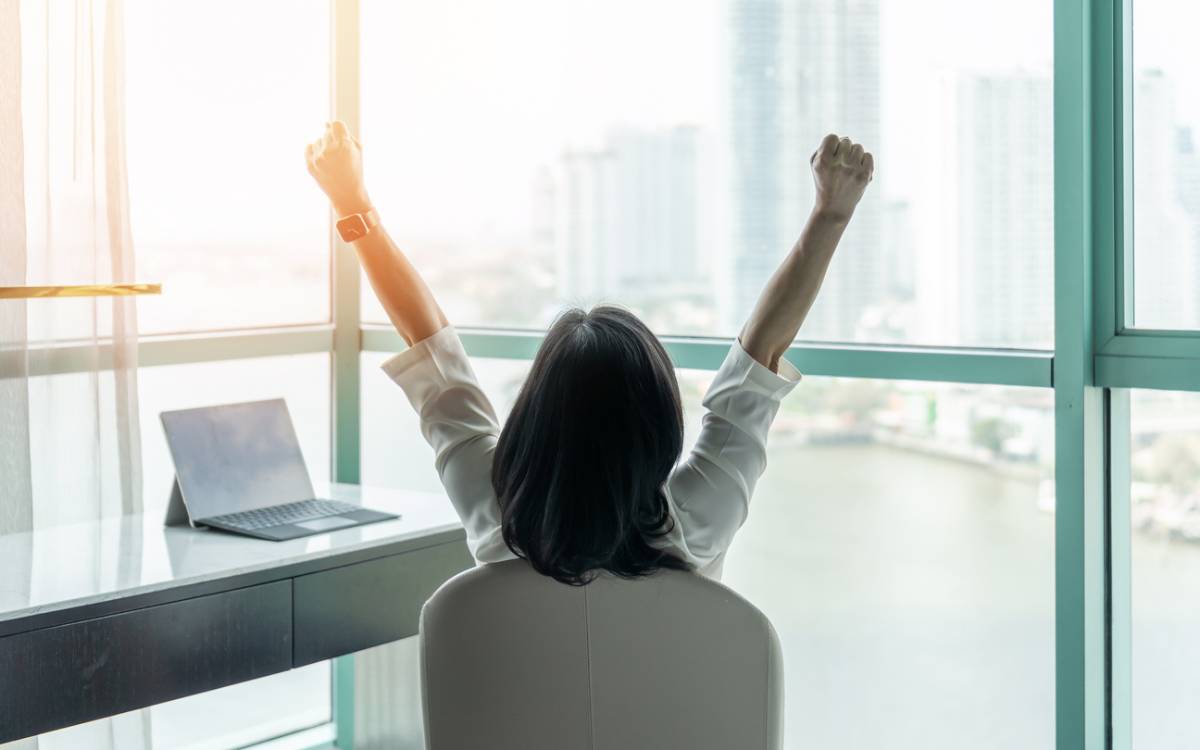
(709,492)
(458,422)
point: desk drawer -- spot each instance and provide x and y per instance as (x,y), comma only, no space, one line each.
(347,609)
(87,670)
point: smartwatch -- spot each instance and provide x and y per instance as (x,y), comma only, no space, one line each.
(356,226)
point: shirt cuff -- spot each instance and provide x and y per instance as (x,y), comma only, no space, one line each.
(436,350)
(754,375)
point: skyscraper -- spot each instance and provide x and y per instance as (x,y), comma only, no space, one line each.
(1165,268)
(629,224)
(1002,210)
(1187,171)
(583,225)
(656,217)
(800,69)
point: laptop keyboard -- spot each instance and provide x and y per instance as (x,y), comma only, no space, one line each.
(278,515)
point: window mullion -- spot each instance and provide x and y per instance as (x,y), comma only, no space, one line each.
(1120,570)
(1081,721)
(346,272)
(347,306)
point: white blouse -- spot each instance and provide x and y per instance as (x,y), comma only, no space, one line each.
(708,492)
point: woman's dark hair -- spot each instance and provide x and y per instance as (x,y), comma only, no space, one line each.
(582,460)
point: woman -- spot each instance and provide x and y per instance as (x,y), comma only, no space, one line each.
(585,476)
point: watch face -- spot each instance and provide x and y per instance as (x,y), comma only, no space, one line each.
(352,227)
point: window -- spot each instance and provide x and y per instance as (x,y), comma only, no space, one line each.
(221,99)
(1165,557)
(249,712)
(1166,166)
(220,108)
(395,455)
(61,416)
(302,380)
(393,452)
(526,166)
(245,713)
(901,544)
(234,716)
(241,714)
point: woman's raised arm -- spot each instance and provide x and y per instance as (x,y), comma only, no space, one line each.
(841,170)
(335,162)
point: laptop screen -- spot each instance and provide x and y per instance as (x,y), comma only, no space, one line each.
(236,457)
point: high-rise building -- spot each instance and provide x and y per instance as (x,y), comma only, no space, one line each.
(656,219)
(583,227)
(1002,210)
(899,250)
(1165,269)
(1187,175)
(628,217)
(798,70)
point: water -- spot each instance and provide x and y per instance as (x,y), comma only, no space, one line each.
(912,595)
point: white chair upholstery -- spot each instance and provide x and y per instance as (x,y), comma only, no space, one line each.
(513,660)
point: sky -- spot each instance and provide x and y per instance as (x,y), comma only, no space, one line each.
(222,98)
(464,100)
(1159,43)
(482,92)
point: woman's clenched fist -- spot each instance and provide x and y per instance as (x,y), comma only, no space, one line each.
(335,162)
(841,169)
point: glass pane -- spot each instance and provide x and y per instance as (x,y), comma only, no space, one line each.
(241,714)
(1165,552)
(302,380)
(248,712)
(1166,200)
(220,108)
(901,543)
(234,716)
(393,452)
(525,166)
(395,455)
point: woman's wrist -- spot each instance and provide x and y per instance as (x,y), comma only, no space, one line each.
(357,204)
(830,217)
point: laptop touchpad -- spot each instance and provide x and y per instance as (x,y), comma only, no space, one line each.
(325,524)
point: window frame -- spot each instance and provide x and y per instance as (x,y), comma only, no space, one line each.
(1095,360)
(1126,356)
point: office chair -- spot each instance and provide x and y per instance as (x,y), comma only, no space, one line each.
(513,660)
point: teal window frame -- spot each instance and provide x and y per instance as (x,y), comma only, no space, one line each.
(1126,356)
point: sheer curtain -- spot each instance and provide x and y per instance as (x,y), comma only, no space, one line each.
(69,443)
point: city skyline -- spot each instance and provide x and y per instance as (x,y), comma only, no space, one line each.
(996,167)
(902,295)
(868,68)
(884,285)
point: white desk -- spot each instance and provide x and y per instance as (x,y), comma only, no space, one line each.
(105,617)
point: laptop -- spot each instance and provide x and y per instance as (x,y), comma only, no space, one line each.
(238,468)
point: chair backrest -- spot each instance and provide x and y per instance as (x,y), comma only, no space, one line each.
(512,659)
